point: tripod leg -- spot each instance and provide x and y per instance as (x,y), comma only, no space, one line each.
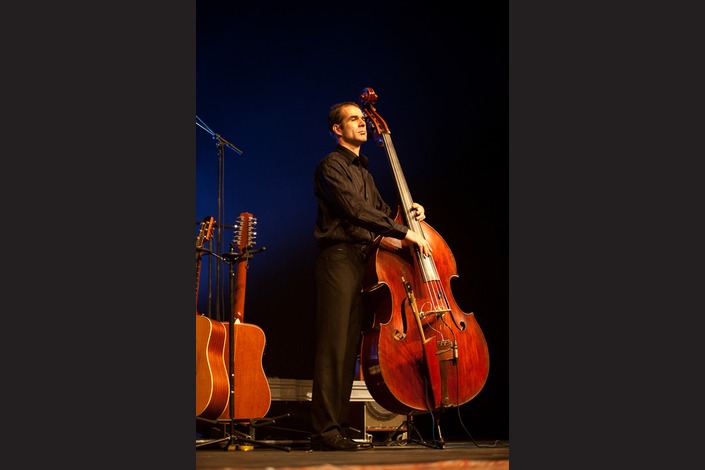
(247,440)
(210,441)
(437,444)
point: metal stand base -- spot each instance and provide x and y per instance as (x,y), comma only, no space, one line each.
(409,426)
(237,440)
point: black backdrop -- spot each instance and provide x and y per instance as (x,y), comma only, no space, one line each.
(265,78)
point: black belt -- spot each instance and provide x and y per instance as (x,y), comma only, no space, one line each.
(358,246)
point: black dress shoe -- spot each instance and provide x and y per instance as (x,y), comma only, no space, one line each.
(351,433)
(336,442)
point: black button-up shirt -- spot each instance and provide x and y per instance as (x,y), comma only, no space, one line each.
(350,207)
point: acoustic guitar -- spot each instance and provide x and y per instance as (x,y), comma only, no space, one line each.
(251,396)
(212,386)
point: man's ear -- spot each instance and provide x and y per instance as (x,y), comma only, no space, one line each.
(336,129)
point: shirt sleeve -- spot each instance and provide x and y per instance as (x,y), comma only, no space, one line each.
(338,186)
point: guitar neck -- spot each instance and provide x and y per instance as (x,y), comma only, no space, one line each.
(244,239)
(204,235)
(198,277)
(239,294)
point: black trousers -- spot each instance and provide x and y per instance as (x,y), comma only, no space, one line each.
(338,276)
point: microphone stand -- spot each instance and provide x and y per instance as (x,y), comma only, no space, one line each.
(221,143)
(231,258)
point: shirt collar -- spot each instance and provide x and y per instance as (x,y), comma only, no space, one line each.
(352,158)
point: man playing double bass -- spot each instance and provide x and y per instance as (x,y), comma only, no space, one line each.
(350,214)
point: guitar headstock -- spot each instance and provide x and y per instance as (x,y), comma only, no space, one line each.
(244,235)
(206,231)
(204,234)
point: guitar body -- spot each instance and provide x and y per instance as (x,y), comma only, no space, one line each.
(251,393)
(212,383)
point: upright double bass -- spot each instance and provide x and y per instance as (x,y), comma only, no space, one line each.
(422,353)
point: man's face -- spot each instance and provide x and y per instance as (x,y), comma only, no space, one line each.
(353,128)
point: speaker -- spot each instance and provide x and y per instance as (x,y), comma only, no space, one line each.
(377,418)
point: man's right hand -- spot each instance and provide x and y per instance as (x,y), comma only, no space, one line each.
(418,240)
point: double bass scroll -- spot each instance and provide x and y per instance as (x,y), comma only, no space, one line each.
(423,353)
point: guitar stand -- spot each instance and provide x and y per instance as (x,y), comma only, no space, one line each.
(232,437)
(409,426)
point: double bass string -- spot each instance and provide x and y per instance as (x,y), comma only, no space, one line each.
(439,307)
(437,298)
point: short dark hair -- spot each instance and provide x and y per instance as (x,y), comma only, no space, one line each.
(335,116)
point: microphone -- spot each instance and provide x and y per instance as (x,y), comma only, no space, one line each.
(227,144)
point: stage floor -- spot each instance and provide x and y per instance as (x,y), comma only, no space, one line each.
(282,439)
(475,455)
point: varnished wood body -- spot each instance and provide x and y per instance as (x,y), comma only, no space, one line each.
(212,383)
(392,351)
(251,397)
